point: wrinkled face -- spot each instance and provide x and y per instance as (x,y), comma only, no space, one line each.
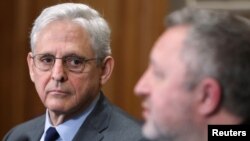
(167,104)
(63,91)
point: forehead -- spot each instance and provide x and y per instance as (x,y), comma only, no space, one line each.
(64,34)
(67,29)
(170,44)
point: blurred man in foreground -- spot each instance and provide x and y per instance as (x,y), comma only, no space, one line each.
(198,74)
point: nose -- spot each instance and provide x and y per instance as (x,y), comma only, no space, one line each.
(142,87)
(58,71)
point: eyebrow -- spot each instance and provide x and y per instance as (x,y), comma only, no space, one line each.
(65,55)
(74,54)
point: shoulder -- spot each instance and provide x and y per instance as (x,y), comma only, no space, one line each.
(115,114)
(26,129)
(122,126)
(110,123)
(123,118)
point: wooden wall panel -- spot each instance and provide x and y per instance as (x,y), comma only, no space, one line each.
(135,26)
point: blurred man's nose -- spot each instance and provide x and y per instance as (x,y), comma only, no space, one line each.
(142,87)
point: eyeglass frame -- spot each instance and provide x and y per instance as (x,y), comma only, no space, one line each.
(64,60)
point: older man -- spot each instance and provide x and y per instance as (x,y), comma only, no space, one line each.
(69,62)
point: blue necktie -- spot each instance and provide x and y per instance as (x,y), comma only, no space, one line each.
(51,134)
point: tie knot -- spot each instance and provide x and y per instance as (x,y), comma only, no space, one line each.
(51,134)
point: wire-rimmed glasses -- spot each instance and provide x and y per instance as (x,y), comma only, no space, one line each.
(74,63)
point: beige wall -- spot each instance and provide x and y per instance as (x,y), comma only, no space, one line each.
(135,26)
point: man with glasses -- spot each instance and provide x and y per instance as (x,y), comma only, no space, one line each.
(69,62)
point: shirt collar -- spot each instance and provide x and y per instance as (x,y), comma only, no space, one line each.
(69,128)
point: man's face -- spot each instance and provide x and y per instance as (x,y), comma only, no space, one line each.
(63,91)
(168,106)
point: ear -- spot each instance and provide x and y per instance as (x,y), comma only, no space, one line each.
(31,66)
(209,96)
(107,68)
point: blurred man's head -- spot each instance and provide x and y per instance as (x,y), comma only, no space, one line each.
(197,75)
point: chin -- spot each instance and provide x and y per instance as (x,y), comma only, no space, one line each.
(149,130)
(56,107)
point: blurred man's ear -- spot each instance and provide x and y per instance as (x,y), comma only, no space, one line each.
(209,96)
(107,68)
(30,65)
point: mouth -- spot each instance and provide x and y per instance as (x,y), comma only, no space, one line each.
(57,93)
(145,111)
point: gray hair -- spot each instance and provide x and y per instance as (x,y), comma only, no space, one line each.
(218,46)
(81,14)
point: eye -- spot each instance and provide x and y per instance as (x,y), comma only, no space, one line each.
(158,74)
(46,59)
(74,61)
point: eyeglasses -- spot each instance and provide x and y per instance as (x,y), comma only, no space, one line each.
(45,62)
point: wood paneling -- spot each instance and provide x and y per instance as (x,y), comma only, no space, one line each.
(135,26)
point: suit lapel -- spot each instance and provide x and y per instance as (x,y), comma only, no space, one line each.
(36,134)
(96,122)
(88,135)
(36,131)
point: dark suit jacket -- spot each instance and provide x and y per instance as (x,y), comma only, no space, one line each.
(105,123)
